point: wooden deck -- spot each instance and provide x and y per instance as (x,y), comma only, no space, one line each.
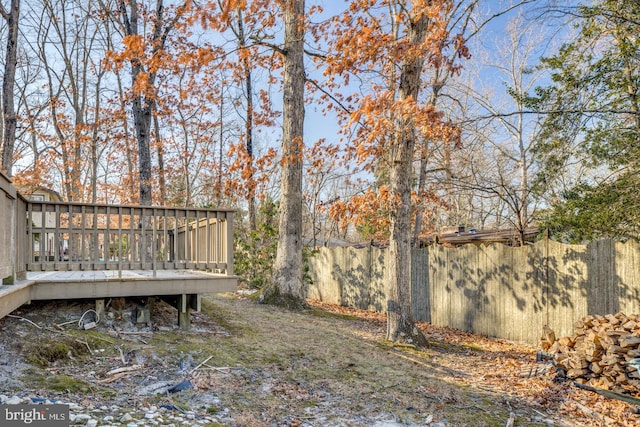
(53,250)
(14,296)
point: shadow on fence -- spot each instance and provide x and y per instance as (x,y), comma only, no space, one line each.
(501,291)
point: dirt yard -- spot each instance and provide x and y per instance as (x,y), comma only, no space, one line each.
(256,365)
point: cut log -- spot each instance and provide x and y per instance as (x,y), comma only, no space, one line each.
(600,352)
(613,319)
(607,340)
(577,362)
(614,350)
(633,375)
(548,338)
(577,373)
(610,360)
(629,341)
(566,342)
(591,351)
(595,368)
(629,325)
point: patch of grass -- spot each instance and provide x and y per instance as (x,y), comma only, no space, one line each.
(45,352)
(32,377)
(287,364)
(95,338)
(474,347)
(271,295)
(274,359)
(68,384)
(221,316)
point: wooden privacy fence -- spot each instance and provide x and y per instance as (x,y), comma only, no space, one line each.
(501,291)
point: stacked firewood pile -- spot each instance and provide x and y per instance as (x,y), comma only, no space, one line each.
(604,352)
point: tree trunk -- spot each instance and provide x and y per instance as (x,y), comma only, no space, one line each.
(143,104)
(128,194)
(251,197)
(142,113)
(286,287)
(400,324)
(8,82)
(422,185)
(161,172)
(424,159)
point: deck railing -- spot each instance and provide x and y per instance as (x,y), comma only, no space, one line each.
(12,222)
(82,236)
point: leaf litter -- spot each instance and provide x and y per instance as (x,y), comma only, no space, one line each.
(259,365)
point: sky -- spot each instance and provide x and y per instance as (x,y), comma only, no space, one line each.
(485,48)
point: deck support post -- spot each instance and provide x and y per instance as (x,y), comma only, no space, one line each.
(184,312)
(100,308)
(186,304)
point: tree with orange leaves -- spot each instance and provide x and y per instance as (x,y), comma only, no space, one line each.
(147,55)
(143,85)
(388,44)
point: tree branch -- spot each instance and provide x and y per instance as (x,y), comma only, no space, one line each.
(314,54)
(331,96)
(260,42)
(516,113)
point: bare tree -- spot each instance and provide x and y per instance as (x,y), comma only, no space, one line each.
(10,121)
(510,139)
(67,35)
(241,37)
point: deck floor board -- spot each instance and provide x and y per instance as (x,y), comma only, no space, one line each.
(104,275)
(58,285)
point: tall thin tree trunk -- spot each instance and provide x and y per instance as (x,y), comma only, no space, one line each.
(142,120)
(8,82)
(143,104)
(251,198)
(220,150)
(287,286)
(400,323)
(424,161)
(161,172)
(131,189)
(422,185)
